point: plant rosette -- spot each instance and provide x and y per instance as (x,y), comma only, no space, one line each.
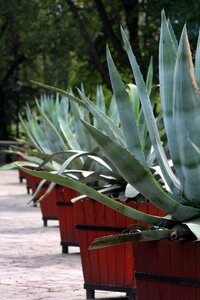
(180,101)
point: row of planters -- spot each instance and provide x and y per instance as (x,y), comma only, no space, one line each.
(118,161)
(80,223)
(48,207)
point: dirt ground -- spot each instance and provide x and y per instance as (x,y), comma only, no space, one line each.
(31,263)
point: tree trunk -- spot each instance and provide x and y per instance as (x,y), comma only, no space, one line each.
(4,133)
(107,25)
(90,45)
(13,66)
(3,124)
(131,10)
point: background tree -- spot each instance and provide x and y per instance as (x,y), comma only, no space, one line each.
(62,43)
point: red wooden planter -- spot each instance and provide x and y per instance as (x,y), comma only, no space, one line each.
(31,182)
(65,209)
(167,270)
(109,268)
(22,174)
(48,204)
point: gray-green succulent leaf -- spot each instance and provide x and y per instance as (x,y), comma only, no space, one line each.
(194,226)
(113,240)
(140,177)
(93,194)
(171,179)
(130,191)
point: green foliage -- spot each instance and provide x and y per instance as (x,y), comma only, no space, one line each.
(181,200)
(48,42)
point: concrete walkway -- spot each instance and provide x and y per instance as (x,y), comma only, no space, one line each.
(31,264)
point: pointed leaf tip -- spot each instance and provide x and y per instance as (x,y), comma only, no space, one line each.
(107,51)
(163,16)
(122,30)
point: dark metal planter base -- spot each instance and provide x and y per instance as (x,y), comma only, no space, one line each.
(65,246)
(64,203)
(171,270)
(45,220)
(91,287)
(28,189)
(100,228)
(167,279)
(21,178)
(90,290)
(66,224)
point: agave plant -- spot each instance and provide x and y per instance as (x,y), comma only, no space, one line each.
(180,100)
(116,122)
(60,143)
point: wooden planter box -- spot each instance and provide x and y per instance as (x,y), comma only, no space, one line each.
(167,270)
(65,209)
(25,176)
(109,268)
(22,174)
(31,182)
(48,205)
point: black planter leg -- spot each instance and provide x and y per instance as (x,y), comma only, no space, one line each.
(45,222)
(132,296)
(90,294)
(65,249)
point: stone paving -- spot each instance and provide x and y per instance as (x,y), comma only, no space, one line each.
(31,263)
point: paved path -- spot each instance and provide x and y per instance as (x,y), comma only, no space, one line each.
(31,264)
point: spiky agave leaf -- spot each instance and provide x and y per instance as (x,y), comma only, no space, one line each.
(171,179)
(149,80)
(13,165)
(49,87)
(34,197)
(66,130)
(130,191)
(57,111)
(29,134)
(103,199)
(107,177)
(140,177)
(105,190)
(100,99)
(188,230)
(168,48)
(134,98)
(118,239)
(38,129)
(105,123)
(85,142)
(78,142)
(112,111)
(126,111)
(142,127)
(186,121)
(37,132)
(54,134)
(197,62)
